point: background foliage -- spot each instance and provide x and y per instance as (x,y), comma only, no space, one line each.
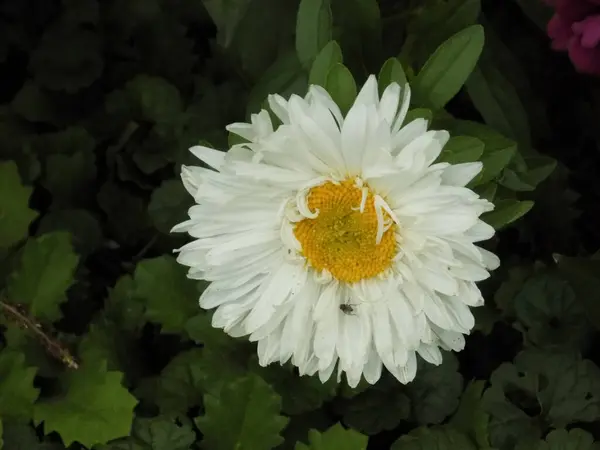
(102,342)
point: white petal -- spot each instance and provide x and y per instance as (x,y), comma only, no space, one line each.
(461,174)
(210,156)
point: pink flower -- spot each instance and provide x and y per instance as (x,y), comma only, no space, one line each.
(575,28)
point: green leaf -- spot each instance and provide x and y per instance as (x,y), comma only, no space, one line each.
(487,191)
(123,307)
(17,393)
(341,86)
(462,149)
(45,273)
(538,168)
(35,104)
(227,15)
(334,438)
(419,113)
(541,387)
(448,68)
(548,309)
(147,97)
(84,228)
(68,142)
(574,439)
(89,419)
(285,76)
(156,433)
(199,328)
(439,21)
(435,392)
(70,178)
(470,417)
(506,212)
(379,408)
(299,394)
(442,438)
(313,29)
(245,414)
(584,275)
(21,436)
(15,214)
(329,55)
(171,298)
(498,102)
(391,72)
(168,205)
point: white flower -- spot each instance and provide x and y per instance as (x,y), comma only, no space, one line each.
(338,240)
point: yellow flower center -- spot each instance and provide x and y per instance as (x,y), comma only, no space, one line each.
(342,238)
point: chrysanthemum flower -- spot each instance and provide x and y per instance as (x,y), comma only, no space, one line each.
(338,240)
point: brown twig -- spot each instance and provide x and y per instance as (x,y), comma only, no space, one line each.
(54,347)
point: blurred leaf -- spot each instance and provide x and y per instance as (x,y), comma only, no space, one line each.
(391,72)
(70,178)
(435,392)
(35,105)
(442,438)
(506,212)
(17,393)
(299,394)
(168,205)
(334,437)
(86,233)
(461,149)
(44,274)
(313,29)
(89,420)
(227,15)
(559,388)
(70,141)
(15,214)
(20,436)
(171,298)
(561,439)
(498,102)
(470,417)
(123,306)
(156,433)
(70,71)
(448,68)
(329,55)
(377,409)
(548,308)
(283,75)
(584,275)
(539,12)
(341,86)
(244,414)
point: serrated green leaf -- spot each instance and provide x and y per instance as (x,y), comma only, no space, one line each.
(199,328)
(95,409)
(15,214)
(45,273)
(435,392)
(86,233)
(313,29)
(334,438)
(171,298)
(506,212)
(156,433)
(391,72)
(462,149)
(574,439)
(442,438)
(542,386)
(168,205)
(448,68)
(245,414)
(547,307)
(123,307)
(498,102)
(470,417)
(329,55)
(584,275)
(341,86)
(17,393)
